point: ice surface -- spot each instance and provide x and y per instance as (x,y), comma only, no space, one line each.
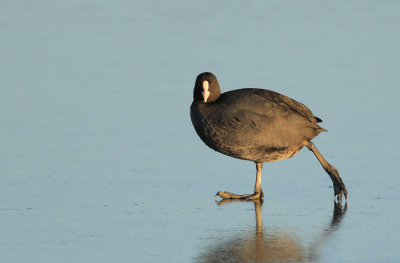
(100,162)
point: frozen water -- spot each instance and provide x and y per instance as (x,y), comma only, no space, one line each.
(100,162)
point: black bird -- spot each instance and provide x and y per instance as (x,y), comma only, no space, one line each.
(256,125)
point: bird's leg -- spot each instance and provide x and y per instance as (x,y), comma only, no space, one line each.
(338,185)
(258,192)
(257,188)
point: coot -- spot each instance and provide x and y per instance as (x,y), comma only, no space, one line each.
(256,125)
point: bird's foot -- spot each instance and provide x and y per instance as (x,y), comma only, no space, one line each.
(227,195)
(338,185)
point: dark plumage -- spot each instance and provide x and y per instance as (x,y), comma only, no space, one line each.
(255,124)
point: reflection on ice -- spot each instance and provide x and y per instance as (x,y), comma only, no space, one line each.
(264,245)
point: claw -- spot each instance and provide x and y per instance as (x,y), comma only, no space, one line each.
(228,195)
(339,194)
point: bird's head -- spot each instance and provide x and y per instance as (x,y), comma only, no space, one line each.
(206,88)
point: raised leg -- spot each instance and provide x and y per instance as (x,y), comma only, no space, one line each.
(258,192)
(338,185)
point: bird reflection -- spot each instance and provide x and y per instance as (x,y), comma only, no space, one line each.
(263,246)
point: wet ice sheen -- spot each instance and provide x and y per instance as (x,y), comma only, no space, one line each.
(100,162)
